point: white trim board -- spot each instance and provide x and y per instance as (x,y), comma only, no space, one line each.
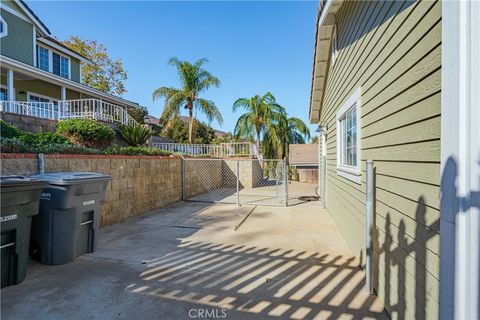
(460,157)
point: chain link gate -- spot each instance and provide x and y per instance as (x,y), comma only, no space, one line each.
(240,181)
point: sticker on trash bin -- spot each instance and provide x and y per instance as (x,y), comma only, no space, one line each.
(46,196)
(86,203)
(8,218)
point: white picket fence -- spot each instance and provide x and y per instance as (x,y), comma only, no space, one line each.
(223,150)
(65,109)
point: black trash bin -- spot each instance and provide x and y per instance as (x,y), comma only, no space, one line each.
(69,216)
(20,199)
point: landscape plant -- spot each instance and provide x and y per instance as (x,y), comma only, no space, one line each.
(261,113)
(194,80)
(135,135)
(135,151)
(85,132)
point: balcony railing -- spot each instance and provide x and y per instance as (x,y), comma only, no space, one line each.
(224,150)
(66,109)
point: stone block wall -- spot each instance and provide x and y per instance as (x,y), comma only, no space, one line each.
(250,172)
(139,184)
(28,123)
(34,125)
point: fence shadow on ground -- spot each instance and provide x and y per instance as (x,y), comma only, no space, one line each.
(264,282)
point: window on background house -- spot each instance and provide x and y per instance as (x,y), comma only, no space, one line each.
(3,94)
(348,138)
(3,28)
(42,58)
(60,65)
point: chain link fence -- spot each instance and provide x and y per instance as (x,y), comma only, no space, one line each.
(240,181)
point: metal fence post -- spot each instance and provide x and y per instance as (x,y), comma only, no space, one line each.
(369,226)
(41,163)
(238,182)
(285,177)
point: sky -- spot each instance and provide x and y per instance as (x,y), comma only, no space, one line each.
(252,47)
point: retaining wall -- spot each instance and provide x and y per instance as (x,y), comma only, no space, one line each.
(139,184)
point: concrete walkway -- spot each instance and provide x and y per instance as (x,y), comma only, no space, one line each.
(187,262)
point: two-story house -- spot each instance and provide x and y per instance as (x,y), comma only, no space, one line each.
(41,77)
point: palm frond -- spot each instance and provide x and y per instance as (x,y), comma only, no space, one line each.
(210,110)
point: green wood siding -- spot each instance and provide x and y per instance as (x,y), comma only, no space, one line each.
(75,69)
(18,44)
(392,51)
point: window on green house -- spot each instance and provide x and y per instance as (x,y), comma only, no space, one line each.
(348,138)
(60,65)
(42,58)
(3,28)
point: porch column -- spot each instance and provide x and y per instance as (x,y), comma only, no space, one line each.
(10,90)
(61,106)
(63,93)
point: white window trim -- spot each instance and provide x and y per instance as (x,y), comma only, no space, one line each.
(352,173)
(5,28)
(50,99)
(334,49)
(50,61)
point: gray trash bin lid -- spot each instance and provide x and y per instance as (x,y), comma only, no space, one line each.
(69,178)
(17,181)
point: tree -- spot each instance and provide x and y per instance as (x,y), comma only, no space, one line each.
(194,80)
(262,113)
(177,130)
(139,113)
(314,139)
(285,131)
(103,73)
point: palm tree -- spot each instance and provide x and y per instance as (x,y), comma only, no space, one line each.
(287,131)
(194,80)
(262,111)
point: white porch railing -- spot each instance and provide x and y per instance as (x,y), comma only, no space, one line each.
(232,149)
(83,108)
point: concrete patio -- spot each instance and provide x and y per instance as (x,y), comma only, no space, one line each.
(186,261)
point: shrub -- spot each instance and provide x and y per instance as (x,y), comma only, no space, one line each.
(135,135)
(12,145)
(65,149)
(8,131)
(85,132)
(135,151)
(42,139)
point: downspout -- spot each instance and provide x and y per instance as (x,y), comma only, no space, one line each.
(322,129)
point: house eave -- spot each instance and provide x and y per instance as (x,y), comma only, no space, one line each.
(18,66)
(321,56)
